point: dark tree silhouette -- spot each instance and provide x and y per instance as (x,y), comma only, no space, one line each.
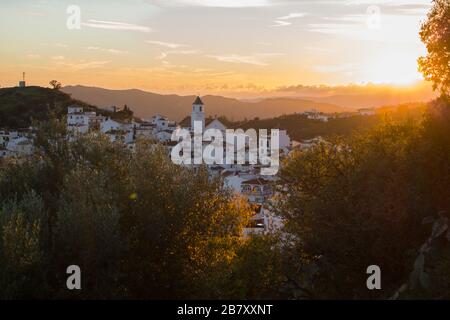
(55,84)
(435,33)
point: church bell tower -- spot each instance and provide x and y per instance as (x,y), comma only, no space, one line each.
(198,113)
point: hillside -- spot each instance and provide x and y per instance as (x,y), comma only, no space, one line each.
(299,127)
(19,106)
(146,104)
(374,100)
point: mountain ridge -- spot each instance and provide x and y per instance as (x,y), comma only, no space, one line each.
(146,104)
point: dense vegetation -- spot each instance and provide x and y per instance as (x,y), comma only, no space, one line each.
(136,224)
(361,201)
(20,106)
(141,227)
(435,34)
(300,127)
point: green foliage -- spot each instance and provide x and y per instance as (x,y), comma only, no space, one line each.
(22,255)
(300,127)
(258,271)
(20,106)
(141,227)
(435,34)
(136,224)
(361,201)
(126,114)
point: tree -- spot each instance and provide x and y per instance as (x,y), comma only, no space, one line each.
(361,201)
(55,84)
(435,33)
(137,225)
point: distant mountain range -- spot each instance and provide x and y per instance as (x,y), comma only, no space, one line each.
(372,100)
(146,104)
(364,95)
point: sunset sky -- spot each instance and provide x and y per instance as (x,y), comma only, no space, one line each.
(212,46)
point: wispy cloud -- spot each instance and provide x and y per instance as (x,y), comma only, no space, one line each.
(386,2)
(170,45)
(161,56)
(347,24)
(185,52)
(165,54)
(108,50)
(292,16)
(258,59)
(56,45)
(407,9)
(114,25)
(214,3)
(234,58)
(282,21)
(279,23)
(80,64)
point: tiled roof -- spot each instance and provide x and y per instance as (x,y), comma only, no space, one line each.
(122,121)
(259,181)
(228,173)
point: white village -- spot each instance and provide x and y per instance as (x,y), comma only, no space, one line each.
(245,178)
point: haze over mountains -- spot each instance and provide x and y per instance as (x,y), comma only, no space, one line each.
(176,107)
(363,96)
(146,104)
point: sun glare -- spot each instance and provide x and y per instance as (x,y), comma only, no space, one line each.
(395,68)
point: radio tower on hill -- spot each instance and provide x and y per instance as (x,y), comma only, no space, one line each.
(22,84)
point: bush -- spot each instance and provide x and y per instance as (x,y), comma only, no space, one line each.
(361,201)
(136,224)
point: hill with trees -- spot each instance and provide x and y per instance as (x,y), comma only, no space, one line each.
(20,106)
(362,200)
(299,127)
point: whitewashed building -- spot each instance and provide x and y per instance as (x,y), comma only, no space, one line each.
(77,120)
(146,130)
(315,115)
(19,146)
(119,130)
(198,113)
(216,124)
(164,136)
(367,112)
(257,190)
(162,123)
(80,121)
